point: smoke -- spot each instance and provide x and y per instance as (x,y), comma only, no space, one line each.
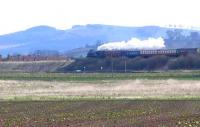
(134,43)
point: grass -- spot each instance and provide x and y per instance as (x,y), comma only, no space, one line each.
(96,98)
(192,75)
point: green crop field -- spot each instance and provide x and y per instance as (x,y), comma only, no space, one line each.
(190,75)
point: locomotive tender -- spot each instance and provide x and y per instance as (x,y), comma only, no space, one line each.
(142,53)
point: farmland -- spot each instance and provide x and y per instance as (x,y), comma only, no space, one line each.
(99,113)
(32,66)
(100,99)
(96,77)
(14,90)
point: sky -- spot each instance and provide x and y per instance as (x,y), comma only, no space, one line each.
(17,15)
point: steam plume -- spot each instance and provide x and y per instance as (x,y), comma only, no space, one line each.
(134,43)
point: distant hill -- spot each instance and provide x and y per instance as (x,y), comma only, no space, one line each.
(49,38)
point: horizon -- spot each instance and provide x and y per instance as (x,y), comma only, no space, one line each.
(61,14)
(165,26)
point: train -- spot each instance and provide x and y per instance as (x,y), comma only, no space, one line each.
(142,53)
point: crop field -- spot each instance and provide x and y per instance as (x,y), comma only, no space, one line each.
(100,113)
(187,75)
(153,99)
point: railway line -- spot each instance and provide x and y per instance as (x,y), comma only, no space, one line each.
(142,53)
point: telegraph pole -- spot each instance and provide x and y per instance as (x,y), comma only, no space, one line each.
(112,64)
(84,69)
(125,65)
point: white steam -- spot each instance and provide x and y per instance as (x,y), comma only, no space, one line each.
(134,43)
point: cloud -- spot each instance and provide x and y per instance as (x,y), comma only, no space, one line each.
(22,14)
(2,47)
(134,43)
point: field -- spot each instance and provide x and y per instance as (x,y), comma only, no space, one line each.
(59,86)
(32,66)
(96,77)
(127,89)
(101,113)
(150,99)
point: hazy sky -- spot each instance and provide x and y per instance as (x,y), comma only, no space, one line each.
(21,14)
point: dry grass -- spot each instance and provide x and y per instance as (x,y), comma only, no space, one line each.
(32,66)
(139,88)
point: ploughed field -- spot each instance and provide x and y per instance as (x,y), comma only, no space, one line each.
(100,113)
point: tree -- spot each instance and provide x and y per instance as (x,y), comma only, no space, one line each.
(194,36)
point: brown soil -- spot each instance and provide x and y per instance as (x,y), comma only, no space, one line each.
(104,113)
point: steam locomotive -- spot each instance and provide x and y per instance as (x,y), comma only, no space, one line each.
(142,53)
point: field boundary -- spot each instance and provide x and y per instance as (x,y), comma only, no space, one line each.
(78,98)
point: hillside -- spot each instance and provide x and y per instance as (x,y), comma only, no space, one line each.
(49,38)
(36,66)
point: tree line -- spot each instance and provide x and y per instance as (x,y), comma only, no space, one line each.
(190,61)
(181,39)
